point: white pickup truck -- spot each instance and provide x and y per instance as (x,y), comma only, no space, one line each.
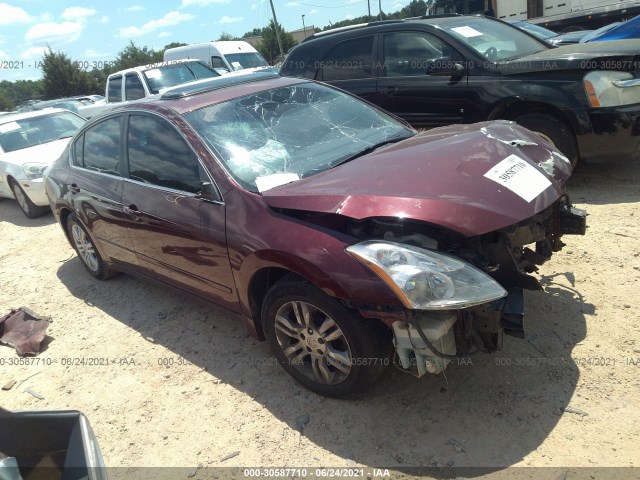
(147,80)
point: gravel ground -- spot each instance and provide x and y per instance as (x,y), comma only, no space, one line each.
(178,383)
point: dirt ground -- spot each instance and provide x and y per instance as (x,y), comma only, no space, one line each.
(182,385)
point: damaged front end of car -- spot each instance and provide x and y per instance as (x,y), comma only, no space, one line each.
(460,295)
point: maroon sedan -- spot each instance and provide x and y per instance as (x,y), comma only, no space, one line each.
(342,236)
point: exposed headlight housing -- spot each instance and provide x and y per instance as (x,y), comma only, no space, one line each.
(611,89)
(34,171)
(425,279)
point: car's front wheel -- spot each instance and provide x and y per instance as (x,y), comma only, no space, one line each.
(30,209)
(553,130)
(322,344)
(87,251)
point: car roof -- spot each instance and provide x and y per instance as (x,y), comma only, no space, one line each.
(201,93)
(434,20)
(12,117)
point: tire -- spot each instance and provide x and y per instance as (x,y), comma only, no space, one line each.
(30,209)
(323,345)
(554,130)
(86,250)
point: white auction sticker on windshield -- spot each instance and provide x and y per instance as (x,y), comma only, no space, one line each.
(520,177)
(275,180)
(467,32)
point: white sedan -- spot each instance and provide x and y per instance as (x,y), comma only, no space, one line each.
(29,143)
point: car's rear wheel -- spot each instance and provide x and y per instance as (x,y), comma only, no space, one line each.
(319,342)
(30,209)
(553,130)
(86,249)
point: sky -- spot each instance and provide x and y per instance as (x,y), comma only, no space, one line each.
(93,32)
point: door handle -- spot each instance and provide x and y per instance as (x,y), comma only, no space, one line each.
(74,188)
(391,90)
(133,212)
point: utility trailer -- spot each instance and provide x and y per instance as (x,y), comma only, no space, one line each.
(557,15)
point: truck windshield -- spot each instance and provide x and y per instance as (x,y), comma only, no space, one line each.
(170,74)
(494,40)
(245,60)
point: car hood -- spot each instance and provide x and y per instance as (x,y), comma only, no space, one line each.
(46,153)
(441,177)
(580,56)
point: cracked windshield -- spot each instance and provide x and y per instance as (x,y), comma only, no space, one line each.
(289,133)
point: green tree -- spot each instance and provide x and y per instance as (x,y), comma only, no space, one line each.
(173,45)
(134,56)
(269,46)
(224,36)
(6,105)
(20,91)
(63,78)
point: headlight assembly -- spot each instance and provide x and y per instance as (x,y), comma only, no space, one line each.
(425,279)
(611,89)
(33,171)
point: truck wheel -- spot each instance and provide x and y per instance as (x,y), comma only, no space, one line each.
(553,130)
(319,342)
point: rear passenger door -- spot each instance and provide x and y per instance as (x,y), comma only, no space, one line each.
(350,65)
(421,79)
(95,188)
(179,236)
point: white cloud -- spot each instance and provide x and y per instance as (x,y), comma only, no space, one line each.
(33,53)
(224,20)
(254,6)
(10,15)
(292,4)
(91,53)
(202,3)
(164,34)
(313,11)
(171,18)
(134,8)
(104,19)
(51,32)
(77,13)
(3,55)
(46,17)
(349,16)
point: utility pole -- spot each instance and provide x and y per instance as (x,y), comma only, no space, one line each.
(369,8)
(304,28)
(380,5)
(275,25)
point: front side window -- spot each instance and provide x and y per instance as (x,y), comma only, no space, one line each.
(349,60)
(133,88)
(160,156)
(415,53)
(102,146)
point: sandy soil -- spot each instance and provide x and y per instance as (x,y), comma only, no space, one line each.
(182,385)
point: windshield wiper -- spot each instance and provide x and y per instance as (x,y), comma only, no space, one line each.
(368,150)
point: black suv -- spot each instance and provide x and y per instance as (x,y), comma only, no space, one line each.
(439,70)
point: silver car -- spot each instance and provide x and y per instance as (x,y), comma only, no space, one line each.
(29,143)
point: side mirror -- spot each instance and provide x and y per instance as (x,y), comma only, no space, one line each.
(209,192)
(445,67)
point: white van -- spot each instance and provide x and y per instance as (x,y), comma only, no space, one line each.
(227,55)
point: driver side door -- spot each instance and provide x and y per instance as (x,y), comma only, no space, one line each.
(421,79)
(178,234)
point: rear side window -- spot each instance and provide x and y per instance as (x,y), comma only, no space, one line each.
(160,156)
(133,88)
(102,146)
(349,60)
(114,93)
